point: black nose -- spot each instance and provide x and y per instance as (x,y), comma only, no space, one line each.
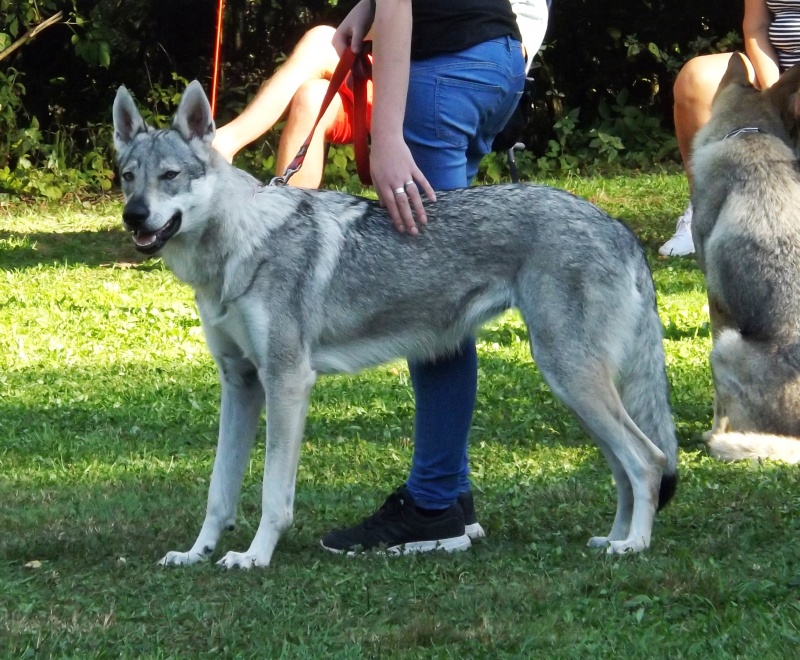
(135,213)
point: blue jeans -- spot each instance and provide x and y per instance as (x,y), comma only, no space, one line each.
(457,103)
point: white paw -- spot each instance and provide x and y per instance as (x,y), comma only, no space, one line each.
(243,560)
(181,558)
(626,546)
(598,542)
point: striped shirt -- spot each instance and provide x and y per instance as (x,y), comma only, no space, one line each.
(784,31)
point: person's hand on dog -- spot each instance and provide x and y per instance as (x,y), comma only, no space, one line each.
(399,183)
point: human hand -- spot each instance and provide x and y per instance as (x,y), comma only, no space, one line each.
(353,29)
(399,184)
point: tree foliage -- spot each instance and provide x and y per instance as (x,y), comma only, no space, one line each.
(603,94)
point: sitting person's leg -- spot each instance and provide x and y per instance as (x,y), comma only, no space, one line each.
(694,91)
(335,127)
(303,112)
(314,58)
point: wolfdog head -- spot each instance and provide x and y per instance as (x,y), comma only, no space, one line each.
(164,173)
(738,104)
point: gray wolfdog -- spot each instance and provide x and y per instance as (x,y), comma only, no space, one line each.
(746,230)
(291,283)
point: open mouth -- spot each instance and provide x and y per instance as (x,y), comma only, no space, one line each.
(150,242)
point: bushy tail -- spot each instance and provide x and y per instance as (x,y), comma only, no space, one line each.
(759,390)
(742,446)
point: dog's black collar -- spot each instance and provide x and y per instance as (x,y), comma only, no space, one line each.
(742,131)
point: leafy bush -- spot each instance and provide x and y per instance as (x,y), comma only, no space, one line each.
(604,79)
(63,156)
(48,163)
(603,96)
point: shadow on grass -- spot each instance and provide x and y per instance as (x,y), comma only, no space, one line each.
(92,248)
(165,406)
(172,409)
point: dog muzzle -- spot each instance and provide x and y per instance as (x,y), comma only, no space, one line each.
(150,242)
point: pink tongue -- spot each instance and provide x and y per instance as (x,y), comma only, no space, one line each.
(143,240)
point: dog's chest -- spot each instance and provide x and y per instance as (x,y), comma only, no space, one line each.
(228,330)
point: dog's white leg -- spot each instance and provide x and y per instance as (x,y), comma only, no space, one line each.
(596,402)
(720,322)
(622,520)
(288,392)
(644,464)
(720,424)
(240,410)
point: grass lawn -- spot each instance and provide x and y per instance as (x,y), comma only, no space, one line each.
(108,414)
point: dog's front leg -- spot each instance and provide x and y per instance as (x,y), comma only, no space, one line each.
(240,410)
(720,424)
(720,320)
(288,383)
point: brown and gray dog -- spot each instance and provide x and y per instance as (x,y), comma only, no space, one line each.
(746,230)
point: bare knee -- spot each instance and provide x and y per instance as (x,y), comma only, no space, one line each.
(694,90)
(307,101)
(319,35)
(697,82)
(316,45)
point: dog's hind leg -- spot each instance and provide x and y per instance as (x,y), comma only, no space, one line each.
(622,519)
(637,464)
(287,382)
(240,410)
(588,341)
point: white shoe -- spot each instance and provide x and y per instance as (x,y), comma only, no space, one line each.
(681,242)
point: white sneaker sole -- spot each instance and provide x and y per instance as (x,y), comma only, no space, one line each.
(455,544)
(678,246)
(475,531)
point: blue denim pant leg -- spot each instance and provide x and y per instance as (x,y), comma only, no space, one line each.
(456,104)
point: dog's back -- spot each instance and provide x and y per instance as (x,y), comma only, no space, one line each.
(747,208)
(746,227)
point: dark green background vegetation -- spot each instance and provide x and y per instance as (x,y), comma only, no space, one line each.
(603,98)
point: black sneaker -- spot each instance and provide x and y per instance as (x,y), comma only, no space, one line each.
(399,528)
(472,526)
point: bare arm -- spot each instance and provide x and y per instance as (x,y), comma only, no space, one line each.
(760,52)
(392,166)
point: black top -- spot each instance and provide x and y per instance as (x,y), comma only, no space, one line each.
(447,26)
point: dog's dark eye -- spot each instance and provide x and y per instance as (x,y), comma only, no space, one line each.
(127,176)
(169,174)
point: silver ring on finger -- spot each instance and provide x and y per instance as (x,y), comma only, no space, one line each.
(408,183)
(400,191)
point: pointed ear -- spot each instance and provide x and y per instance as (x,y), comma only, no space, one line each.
(736,73)
(127,121)
(784,93)
(193,119)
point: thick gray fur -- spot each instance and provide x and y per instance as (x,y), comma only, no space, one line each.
(291,283)
(746,230)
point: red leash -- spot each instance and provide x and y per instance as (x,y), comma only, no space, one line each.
(216,58)
(361,68)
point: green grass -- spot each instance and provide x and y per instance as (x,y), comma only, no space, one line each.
(108,413)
